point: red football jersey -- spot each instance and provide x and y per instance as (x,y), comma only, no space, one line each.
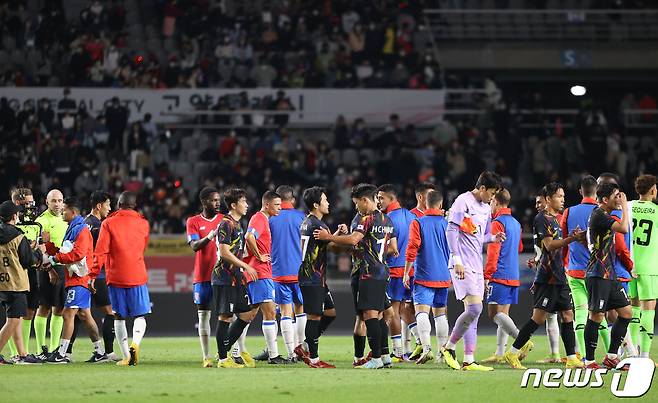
(417,212)
(259,226)
(205,258)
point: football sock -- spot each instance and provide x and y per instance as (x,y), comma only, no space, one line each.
(568,338)
(553,333)
(406,342)
(63,347)
(359,346)
(13,350)
(122,336)
(580,316)
(288,333)
(634,327)
(374,332)
(631,349)
(501,341)
(40,331)
(56,324)
(646,330)
(221,338)
(424,330)
(506,323)
(204,332)
(604,334)
(270,330)
(591,339)
(463,323)
(312,336)
(617,334)
(300,329)
(414,332)
(26,329)
(139,329)
(384,337)
(524,335)
(235,331)
(442,330)
(470,341)
(76,327)
(108,333)
(242,340)
(325,321)
(397,344)
(98,347)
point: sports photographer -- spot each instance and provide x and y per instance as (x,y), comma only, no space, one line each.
(17,259)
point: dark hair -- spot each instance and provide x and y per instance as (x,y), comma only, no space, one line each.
(18,194)
(434,197)
(233,195)
(363,190)
(588,185)
(644,183)
(127,200)
(99,196)
(286,192)
(608,177)
(388,188)
(424,186)
(270,195)
(503,197)
(313,196)
(206,192)
(551,189)
(72,203)
(490,180)
(605,189)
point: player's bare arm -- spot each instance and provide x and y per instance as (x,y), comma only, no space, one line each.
(227,255)
(250,240)
(349,240)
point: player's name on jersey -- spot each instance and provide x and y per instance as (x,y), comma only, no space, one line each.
(644,209)
(383,229)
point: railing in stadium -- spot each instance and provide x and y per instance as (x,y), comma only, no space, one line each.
(514,25)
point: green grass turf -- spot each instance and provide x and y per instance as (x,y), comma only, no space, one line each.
(170,370)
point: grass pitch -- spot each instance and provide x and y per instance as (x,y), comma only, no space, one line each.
(170,371)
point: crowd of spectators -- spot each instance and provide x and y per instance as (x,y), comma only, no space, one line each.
(45,146)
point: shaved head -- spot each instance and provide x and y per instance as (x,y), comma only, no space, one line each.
(54,194)
(55,202)
(127,200)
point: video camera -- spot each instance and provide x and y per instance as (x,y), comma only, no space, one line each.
(27,211)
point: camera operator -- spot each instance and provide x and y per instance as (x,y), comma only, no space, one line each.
(24,199)
(17,259)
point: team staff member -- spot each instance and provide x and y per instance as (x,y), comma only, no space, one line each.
(51,283)
(16,258)
(120,249)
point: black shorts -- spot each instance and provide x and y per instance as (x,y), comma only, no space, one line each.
(552,298)
(33,294)
(604,295)
(52,295)
(371,295)
(14,302)
(230,299)
(314,297)
(328,299)
(101,297)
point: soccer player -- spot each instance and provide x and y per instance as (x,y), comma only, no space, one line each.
(122,240)
(228,274)
(501,274)
(286,255)
(201,231)
(18,258)
(469,225)
(577,217)
(312,276)
(77,259)
(550,290)
(605,292)
(371,233)
(407,313)
(644,288)
(428,248)
(396,291)
(258,240)
(23,197)
(51,283)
